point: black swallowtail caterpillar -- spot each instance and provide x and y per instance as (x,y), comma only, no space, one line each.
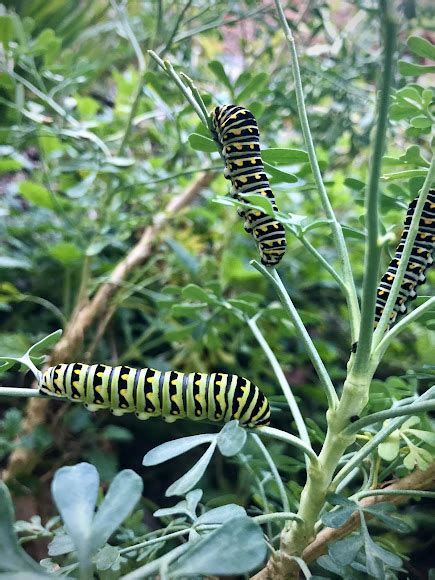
(236,131)
(420,259)
(151,393)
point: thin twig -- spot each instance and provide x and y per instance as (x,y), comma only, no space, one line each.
(317,362)
(274,470)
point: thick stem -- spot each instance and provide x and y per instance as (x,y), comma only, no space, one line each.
(373,249)
(340,245)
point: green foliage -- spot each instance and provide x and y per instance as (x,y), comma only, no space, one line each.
(94,146)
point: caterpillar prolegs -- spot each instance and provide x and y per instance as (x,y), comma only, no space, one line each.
(236,132)
(151,393)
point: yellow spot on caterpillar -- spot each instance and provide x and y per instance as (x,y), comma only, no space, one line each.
(218,397)
(100,374)
(243,179)
(257,176)
(150,379)
(389,278)
(218,383)
(238,146)
(380,292)
(98,389)
(124,377)
(253,160)
(199,398)
(123,392)
(77,372)
(75,383)
(75,396)
(174,398)
(239,163)
(149,396)
(198,382)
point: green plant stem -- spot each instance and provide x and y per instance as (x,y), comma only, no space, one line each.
(377,439)
(400,326)
(285,387)
(324,262)
(424,407)
(18,392)
(123,19)
(340,245)
(153,541)
(373,248)
(409,492)
(274,470)
(407,249)
(176,26)
(321,371)
(198,99)
(169,70)
(288,438)
(275,517)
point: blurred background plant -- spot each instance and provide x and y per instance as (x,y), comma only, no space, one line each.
(95,144)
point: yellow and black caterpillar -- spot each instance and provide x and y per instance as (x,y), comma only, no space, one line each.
(151,393)
(236,131)
(419,261)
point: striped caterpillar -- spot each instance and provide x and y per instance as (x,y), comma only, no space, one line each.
(419,261)
(151,393)
(236,132)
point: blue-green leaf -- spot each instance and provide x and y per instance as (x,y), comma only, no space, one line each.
(74,491)
(191,478)
(13,559)
(200,143)
(171,449)
(123,494)
(235,548)
(231,439)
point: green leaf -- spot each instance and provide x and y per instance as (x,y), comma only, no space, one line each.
(426,436)
(354,184)
(421,122)
(36,194)
(6,30)
(8,165)
(422,47)
(261,202)
(381,511)
(410,69)
(186,309)
(344,551)
(75,491)
(241,542)
(389,448)
(195,292)
(13,559)
(218,70)
(338,518)
(171,449)
(252,87)
(278,175)
(404,174)
(65,252)
(60,544)
(116,433)
(280,156)
(221,514)
(200,143)
(107,558)
(185,483)
(414,157)
(231,439)
(45,343)
(7,262)
(123,494)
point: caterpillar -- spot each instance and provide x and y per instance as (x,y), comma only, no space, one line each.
(419,261)
(236,132)
(151,393)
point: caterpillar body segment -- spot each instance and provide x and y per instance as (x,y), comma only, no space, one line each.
(420,260)
(151,393)
(236,131)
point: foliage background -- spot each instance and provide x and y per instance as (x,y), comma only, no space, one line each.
(95,144)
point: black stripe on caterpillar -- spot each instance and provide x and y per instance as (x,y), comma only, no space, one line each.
(420,260)
(151,393)
(236,132)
